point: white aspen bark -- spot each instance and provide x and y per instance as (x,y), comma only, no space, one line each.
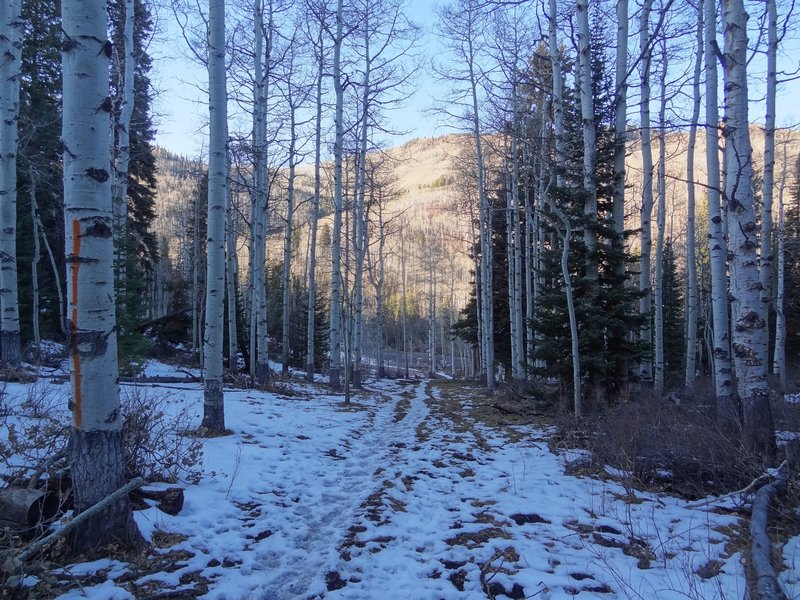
(573,322)
(431,316)
(645,303)
(723,375)
(779,358)
(10,65)
(62,321)
(512,317)
(765,254)
(213,404)
(287,238)
(519,341)
(196,347)
(691,252)
(531,259)
(259,355)
(37,253)
(231,277)
(558,94)
(120,187)
(379,279)
(619,333)
(589,143)
(359,225)
(336,279)
(661,218)
(485,226)
(749,328)
(95,446)
(404,308)
(312,263)
(566,236)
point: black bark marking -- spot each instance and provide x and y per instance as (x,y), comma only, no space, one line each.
(99,175)
(98,229)
(80,259)
(91,343)
(107,105)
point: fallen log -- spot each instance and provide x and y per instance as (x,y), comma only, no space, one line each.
(15,562)
(766,581)
(26,509)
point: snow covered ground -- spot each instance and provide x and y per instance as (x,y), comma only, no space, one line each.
(404,495)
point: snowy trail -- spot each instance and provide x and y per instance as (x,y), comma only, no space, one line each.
(406,494)
(315,535)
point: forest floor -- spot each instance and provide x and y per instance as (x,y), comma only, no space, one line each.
(417,489)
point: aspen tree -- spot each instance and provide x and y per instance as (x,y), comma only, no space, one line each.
(213,404)
(749,328)
(336,238)
(647,181)
(779,357)
(589,143)
(723,375)
(765,255)
(618,192)
(259,342)
(11,30)
(658,295)
(95,446)
(319,51)
(691,252)
(566,234)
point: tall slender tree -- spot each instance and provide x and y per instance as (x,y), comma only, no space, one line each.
(749,327)
(11,29)
(723,374)
(213,405)
(95,445)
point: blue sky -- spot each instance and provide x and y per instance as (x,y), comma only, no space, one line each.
(182,111)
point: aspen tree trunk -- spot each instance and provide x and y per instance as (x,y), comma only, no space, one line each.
(196,347)
(512,317)
(62,321)
(749,327)
(213,405)
(359,225)
(120,187)
(645,303)
(779,358)
(765,255)
(589,144)
(287,239)
(36,258)
(95,446)
(727,411)
(531,259)
(661,225)
(558,95)
(558,133)
(232,277)
(336,238)
(519,342)
(312,263)
(691,252)
(485,229)
(404,308)
(618,193)
(259,345)
(10,65)
(431,318)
